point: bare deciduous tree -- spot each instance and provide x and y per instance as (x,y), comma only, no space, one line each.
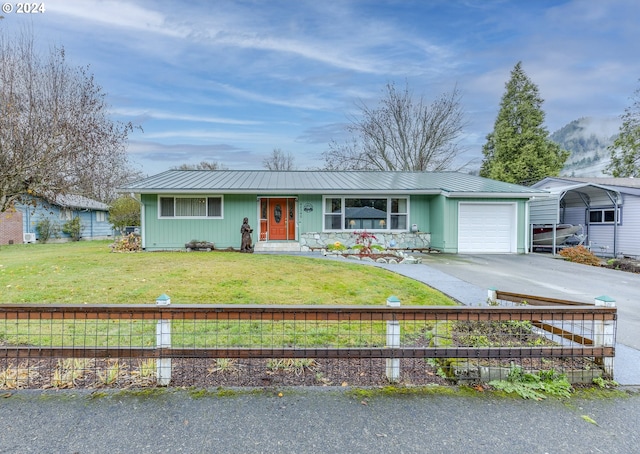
(203,165)
(402,134)
(279,160)
(55,135)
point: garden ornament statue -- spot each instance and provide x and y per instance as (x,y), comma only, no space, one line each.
(246,231)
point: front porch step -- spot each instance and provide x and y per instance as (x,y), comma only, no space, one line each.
(276,246)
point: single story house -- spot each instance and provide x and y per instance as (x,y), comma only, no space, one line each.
(607,208)
(94,217)
(306,210)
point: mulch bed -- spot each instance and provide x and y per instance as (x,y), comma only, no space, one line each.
(624,264)
(207,373)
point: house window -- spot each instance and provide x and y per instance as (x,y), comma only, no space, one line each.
(190,207)
(332,214)
(65,214)
(360,213)
(399,214)
(101,216)
(603,216)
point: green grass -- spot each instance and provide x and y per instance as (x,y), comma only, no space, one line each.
(87,272)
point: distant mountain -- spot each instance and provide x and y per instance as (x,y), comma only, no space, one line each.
(587,139)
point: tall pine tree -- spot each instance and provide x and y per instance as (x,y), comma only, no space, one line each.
(519,149)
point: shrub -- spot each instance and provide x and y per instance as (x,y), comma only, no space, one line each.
(364,239)
(73,228)
(46,230)
(580,254)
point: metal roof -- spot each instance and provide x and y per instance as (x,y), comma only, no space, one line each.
(78,201)
(607,181)
(325,182)
(576,193)
(620,185)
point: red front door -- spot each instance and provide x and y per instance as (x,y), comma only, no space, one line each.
(281,219)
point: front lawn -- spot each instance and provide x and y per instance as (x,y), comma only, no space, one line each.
(88,272)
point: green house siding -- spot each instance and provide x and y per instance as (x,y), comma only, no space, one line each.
(162,234)
(419,212)
(309,213)
(437,223)
(434,203)
(433,214)
(169,233)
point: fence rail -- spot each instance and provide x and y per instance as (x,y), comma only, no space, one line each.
(304,312)
(41,340)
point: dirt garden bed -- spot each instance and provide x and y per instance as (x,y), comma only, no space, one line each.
(206,373)
(624,264)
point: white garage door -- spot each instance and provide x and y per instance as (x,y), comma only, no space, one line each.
(486,227)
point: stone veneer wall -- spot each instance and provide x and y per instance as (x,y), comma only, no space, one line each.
(400,240)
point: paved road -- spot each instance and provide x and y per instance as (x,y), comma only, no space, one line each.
(314,421)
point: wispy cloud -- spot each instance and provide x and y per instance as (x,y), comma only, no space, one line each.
(236,79)
(120,14)
(211,136)
(161,115)
(307,101)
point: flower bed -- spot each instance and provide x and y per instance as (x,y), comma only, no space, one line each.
(392,257)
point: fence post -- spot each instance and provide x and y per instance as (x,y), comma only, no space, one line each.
(492,296)
(163,340)
(393,341)
(604,332)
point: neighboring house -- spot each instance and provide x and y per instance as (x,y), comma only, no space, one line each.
(93,217)
(11,227)
(607,208)
(303,210)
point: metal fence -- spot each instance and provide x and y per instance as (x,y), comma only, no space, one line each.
(249,345)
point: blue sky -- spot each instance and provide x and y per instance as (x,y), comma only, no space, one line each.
(229,81)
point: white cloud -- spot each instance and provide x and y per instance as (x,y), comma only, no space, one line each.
(161,115)
(120,14)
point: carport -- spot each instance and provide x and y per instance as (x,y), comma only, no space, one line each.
(596,208)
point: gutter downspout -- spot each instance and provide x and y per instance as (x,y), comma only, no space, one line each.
(527,226)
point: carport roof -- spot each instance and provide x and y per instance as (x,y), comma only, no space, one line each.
(607,181)
(450,184)
(575,188)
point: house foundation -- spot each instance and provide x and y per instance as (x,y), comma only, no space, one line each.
(409,241)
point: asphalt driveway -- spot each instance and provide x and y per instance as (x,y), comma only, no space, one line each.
(544,275)
(467,278)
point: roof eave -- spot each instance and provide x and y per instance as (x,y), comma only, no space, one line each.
(497,195)
(281,191)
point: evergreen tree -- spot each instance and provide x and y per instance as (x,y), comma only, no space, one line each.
(519,149)
(625,151)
